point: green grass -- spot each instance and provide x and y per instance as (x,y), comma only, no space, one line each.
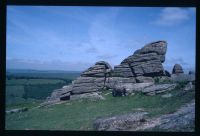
(80,115)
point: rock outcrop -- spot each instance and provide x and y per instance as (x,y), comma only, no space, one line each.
(135,73)
(146,61)
(177,69)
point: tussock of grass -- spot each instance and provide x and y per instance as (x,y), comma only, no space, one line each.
(79,115)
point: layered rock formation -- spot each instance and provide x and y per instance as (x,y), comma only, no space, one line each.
(146,61)
(134,73)
(93,79)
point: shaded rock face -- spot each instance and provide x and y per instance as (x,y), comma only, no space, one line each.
(177,69)
(61,94)
(167,73)
(146,61)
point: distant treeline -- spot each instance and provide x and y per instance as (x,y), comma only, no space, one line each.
(9,77)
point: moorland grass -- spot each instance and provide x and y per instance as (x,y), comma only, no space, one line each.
(80,115)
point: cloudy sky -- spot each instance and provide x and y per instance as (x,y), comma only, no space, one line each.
(74,38)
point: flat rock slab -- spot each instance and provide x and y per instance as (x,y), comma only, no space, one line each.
(182,120)
(121,122)
(91,96)
(160,88)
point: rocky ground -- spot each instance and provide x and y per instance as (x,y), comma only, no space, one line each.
(181,120)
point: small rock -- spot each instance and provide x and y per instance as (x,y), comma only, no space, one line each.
(166,95)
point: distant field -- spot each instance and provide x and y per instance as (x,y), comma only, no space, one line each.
(29,86)
(47,75)
(33,81)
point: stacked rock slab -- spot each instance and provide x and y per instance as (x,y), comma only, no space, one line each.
(146,61)
(93,79)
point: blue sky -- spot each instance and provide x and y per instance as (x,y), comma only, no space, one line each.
(74,38)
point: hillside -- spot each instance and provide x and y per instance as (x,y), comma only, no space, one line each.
(138,94)
(80,115)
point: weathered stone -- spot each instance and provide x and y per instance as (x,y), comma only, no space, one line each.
(142,79)
(122,70)
(91,96)
(144,62)
(100,69)
(160,88)
(182,120)
(177,69)
(121,122)
(112,81)
(135,87)
(159,47)
(80,90)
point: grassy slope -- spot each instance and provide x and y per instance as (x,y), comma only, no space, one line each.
(79,115)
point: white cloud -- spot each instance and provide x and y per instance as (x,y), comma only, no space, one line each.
(172,16)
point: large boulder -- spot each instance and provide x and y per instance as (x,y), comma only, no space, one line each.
(93,79)
(146,61)
(177,69)
(100,69)
(159,47)
(61,94)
